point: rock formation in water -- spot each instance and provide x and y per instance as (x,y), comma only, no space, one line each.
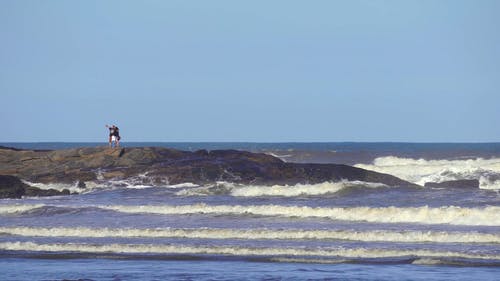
(13,187)
(169,166)
(454,184)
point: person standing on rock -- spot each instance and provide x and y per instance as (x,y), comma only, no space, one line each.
(114,136)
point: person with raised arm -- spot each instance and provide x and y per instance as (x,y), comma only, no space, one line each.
(114,136)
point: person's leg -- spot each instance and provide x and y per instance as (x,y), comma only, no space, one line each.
(109,141)
(117,142)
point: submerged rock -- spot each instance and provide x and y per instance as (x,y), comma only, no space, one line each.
(454,184)
(171,166)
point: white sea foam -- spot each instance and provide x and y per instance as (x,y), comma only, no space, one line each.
(428,261)
(488,216)
(183,185)
(18,208)
(277,190)
(420,171)
(237,251)
(282,157)
(73,188)
(300,189)
(487,183)
(141,181)
(253,234)
(309,260)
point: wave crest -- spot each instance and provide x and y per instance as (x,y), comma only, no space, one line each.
(487,216)
(238,251)
(276,190)
(420,171)
(264,233)
(18,208)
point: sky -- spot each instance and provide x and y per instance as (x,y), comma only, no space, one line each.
(256,71)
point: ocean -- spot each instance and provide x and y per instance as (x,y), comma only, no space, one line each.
(135,230)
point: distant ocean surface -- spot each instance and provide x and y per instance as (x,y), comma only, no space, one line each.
(134,230)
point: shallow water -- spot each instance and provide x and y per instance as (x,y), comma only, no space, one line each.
(111,269)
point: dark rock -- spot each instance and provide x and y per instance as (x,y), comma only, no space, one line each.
(81,184)
(33,191)
(201,152)
(13,187)
(454,184)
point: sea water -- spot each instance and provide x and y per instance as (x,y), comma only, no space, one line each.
(347,230)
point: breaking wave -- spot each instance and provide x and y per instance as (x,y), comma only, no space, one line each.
(183,185)
(420,171)
(139,182)
(487,216)
(18,208)
(276,190)
(73,188)
(254,234)
(340,252)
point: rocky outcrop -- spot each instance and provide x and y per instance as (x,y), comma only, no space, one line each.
(13,187)
(169,166)
(454,184)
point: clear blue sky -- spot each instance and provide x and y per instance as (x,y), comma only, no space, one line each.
(261,71)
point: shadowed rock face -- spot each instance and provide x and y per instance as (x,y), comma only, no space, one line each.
(11,187)
(171,166)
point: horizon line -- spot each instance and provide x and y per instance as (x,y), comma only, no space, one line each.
(269,142)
